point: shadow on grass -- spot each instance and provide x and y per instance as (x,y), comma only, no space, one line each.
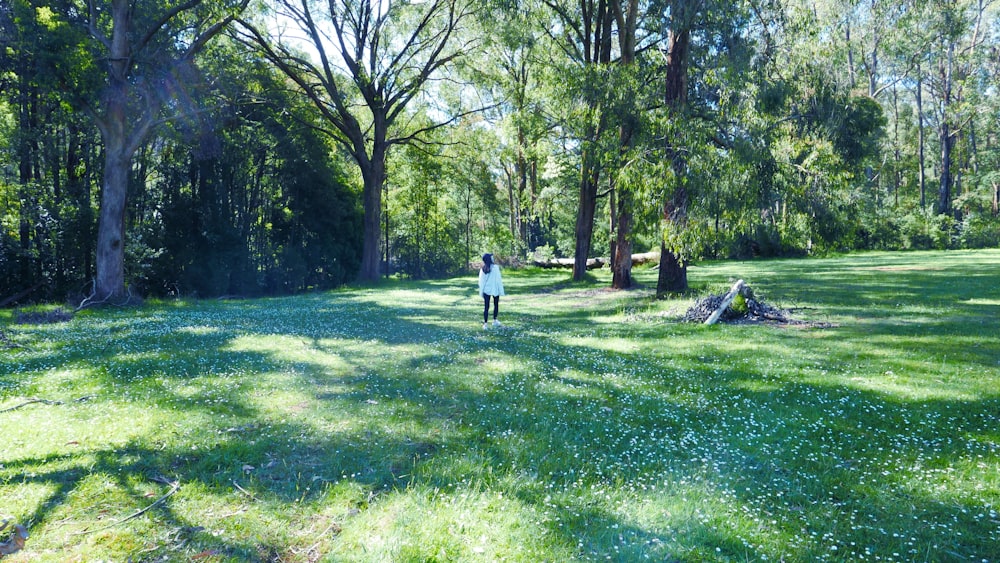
(781,453)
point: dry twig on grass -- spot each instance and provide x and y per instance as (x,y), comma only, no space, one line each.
(175,486)
(31,402)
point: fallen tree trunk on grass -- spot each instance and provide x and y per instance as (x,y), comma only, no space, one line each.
(733,292)
(595,263)
(646,258)
(592,264)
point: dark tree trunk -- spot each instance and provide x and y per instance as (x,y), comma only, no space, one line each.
(373,172)
(673,270)
(597,42)
(621,260)
(946,136)
(585,219)
(621,249)
(110,256)
(921,170)
(947,180)
(621,253)
(26,157)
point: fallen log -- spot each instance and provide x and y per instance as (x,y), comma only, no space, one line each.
(595,263)
(592,263)
(14,298)
(714,318)
(645,258)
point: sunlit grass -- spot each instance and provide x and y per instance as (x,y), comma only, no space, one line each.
(384,424)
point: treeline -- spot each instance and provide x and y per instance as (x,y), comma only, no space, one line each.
(236,196)
(278,162)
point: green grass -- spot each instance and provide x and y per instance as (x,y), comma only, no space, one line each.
(383,424)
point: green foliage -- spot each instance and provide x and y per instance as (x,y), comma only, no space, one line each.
(980,230)
(739,304)
(251,203)
(924,230)
(787,148)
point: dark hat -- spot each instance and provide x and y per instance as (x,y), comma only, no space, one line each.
(488,258)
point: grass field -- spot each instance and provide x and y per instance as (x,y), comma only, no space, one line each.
(384,424)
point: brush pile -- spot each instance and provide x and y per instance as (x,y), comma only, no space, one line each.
(744,308)
(43,317)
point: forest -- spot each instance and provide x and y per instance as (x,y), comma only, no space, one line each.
(205,148)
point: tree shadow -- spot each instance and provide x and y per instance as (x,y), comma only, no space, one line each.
(391,397)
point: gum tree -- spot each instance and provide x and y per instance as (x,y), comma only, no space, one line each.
(362,64)
(142,50)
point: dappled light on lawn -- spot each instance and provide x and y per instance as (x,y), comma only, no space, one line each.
(384,424)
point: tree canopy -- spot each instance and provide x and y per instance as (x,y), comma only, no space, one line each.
(214,148)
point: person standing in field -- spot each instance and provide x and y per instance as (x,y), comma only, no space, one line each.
(490,286)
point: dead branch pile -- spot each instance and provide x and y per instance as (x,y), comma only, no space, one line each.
(747,310)
(38,318)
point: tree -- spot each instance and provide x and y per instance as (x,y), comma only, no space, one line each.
(585,39)
(507,72)
(52,150)
(672,275)
(120,62)
(389,50)
(627,20)
(246,198)
(144,47)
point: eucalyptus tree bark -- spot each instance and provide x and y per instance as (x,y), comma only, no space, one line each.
(598,46)
(587,40)
(672,276)
(945,134)
(921,167)
(587,207)
(128,109)
(960,37)
(897,175)
(386,67)
(122,134)
(621,257)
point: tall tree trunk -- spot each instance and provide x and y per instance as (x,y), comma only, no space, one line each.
(897,176)
(519,209)
(921,169)
(110,256)
(597,42)
(673,270)
(946,137)
(621,260)
(27,154)
(850,54)
(589,177)
(373,173)
(621,256)
(119,146)
(124,128)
